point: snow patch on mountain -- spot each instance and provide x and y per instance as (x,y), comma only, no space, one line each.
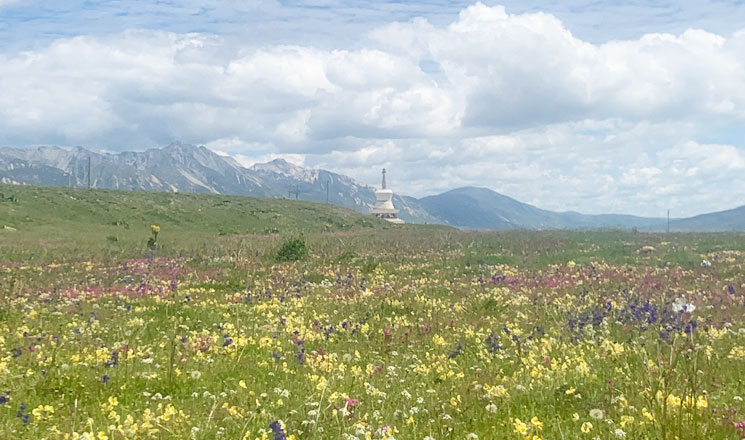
(287,169)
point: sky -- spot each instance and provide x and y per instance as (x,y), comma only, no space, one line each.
(598,106)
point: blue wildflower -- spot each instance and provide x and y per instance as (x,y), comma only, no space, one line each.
(114,360)
(493,343)
(300,356)
(279,433)
(455,352)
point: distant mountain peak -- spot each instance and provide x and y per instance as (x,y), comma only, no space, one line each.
(187,167)
(278,163)
(285,168)
(181,147)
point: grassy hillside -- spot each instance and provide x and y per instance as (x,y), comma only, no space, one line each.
(36,221)
(482,208)
(729,220)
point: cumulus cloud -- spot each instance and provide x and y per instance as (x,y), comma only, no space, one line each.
(153,86)
(517,70)
(515,102)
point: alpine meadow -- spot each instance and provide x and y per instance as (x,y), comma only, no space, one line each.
(372,220)
(378,331)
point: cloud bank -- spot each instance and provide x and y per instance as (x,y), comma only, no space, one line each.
(514,102)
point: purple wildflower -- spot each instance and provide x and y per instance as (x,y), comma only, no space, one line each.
(493,343)
(114,360)
(456,352)
(279,433)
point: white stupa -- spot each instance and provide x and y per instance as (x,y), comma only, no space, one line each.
(384,204)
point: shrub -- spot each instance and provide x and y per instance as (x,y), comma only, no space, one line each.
(293,249)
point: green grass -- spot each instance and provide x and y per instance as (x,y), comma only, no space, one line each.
(63,223)
(380,331)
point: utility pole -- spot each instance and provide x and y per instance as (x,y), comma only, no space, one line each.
(668,221)
(89,172)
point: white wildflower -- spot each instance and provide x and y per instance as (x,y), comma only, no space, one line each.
(681,305)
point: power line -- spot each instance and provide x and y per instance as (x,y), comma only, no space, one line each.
(291,191)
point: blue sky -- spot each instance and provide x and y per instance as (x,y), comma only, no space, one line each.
(336,23)
(593,106)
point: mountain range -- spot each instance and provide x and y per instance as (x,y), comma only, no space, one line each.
(188,168)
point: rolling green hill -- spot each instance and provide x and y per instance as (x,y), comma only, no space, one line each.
(729,220)
(36,221)
(482,208)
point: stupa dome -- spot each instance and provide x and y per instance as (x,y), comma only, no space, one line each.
(384,204)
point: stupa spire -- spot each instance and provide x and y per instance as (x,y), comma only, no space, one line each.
(383,185)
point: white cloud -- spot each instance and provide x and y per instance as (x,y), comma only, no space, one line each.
(514,102)
(641,176)
(518,70)
(709,159)
(234,144)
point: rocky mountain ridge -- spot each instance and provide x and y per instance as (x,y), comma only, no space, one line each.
(188,168)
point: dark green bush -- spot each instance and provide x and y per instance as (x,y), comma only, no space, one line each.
(293,249)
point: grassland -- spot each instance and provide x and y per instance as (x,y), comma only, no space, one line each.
(381,332)
(38,223)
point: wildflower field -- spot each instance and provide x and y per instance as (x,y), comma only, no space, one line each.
(376,333)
